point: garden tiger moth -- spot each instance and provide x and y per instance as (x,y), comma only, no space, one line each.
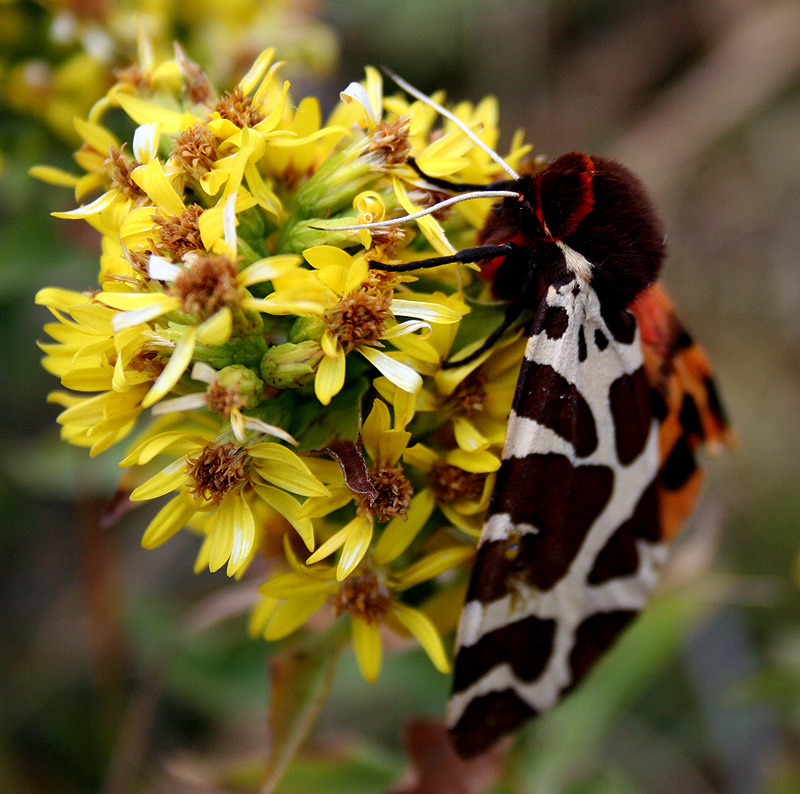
(598,470)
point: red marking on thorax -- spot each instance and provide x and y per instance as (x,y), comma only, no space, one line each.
(490,268)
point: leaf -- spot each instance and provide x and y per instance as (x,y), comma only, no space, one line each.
(437,769)
(300,681)
(340,419)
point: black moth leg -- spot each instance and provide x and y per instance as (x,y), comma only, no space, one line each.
(461,187)
(463,256)
(513,312)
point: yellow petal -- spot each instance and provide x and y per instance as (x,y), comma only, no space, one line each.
(93,208)
(143,112)
(221,541)
(269,268)
(400,374)
(217,329)
(168,479)
(152,179)
(178,362)
(53,176)
(257,70)
(399,534)
(290,615)
(421,626)
(430,312)
(99,138)
(357,274)
(420,457)
(355,546)
(244,530)
(167,522)
(433,564)
(329,379)
(468,437)
(320,256)
(478,462)
(288,507)
(367,647)
(377,422)
(291,585)
(333,543)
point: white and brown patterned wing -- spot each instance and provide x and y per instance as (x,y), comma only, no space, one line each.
(570,549)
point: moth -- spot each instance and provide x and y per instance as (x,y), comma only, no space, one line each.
(598,470)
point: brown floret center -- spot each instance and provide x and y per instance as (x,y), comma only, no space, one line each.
(390,141)
(121,169)
(218,470)
(394,493)
(452,484)
(237,107)
(358,318)
(470,394)
(206,285)
(364,596)
(180,234)
(195,151)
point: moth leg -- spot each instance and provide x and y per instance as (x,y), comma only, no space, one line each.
(513,312)
(463,256)
(460,187)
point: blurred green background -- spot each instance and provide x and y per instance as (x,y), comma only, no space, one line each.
(123,671)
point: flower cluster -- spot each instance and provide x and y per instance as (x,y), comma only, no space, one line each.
(294,394)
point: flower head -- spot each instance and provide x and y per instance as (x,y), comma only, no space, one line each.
(294,394)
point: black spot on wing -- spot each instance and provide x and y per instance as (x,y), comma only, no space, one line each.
(679,466)
(620,557)
(525,645)
(600,339)
(582,351)
(631,408)
(560,501)
(658,405)
(714,402)
(554,322)
(593,637)
(486,719)
(690,418)
(619,321)
(549,398)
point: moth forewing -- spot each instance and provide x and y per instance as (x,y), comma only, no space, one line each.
(569,551)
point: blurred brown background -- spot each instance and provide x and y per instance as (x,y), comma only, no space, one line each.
(120,671)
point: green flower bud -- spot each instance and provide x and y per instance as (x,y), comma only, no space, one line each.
(305,329)
(243,381)
(290,365)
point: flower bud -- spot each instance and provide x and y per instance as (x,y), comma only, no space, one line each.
(305,329)
(290,365)
(240,380)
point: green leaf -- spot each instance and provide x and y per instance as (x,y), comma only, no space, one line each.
(341,419)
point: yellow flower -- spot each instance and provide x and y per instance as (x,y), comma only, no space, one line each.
(223,477)
(358,311)
(371,598)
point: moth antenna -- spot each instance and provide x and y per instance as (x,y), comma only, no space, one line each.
(423,213)
(408,88)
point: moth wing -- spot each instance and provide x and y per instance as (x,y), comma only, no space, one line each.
(686,403)
(569,552)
